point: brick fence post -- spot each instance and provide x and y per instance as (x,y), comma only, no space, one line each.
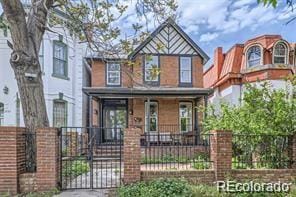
(10,159)
(221,153)
(47,175)
(132,155)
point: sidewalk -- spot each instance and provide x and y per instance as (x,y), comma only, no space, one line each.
(86,193)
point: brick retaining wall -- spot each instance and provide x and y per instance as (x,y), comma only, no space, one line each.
(264,175)
(192,176)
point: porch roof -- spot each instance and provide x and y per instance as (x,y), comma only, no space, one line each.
(119,92)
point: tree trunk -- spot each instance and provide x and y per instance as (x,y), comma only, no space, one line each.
(27,30)
(30,86)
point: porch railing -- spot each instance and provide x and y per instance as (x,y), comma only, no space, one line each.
(170,128)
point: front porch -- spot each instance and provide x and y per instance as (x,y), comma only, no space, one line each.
(166,115)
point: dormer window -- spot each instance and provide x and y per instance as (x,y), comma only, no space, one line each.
(254,56)
(280,54)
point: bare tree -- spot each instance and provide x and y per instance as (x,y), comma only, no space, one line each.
(92,20)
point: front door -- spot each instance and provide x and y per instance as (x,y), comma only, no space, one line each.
(114,120)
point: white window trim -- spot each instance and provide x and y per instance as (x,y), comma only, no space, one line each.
(191,124)
(247,55)
(146,113)
(190,60)
(118,71)
(286,55)
(146,69)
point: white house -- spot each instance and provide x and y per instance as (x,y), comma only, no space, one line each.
(61,57)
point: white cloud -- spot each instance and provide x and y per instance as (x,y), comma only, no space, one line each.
(213,18)
(240,3)
(208,37)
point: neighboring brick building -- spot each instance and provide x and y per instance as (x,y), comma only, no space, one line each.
(123,95)
(264,58)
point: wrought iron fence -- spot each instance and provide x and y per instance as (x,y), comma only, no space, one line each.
(175,151)
(261,151)
(30,151)
(91,157)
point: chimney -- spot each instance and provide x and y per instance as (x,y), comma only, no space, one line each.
(218,60)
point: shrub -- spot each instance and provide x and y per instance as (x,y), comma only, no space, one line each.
(75,168)
(156,188)
(180,188)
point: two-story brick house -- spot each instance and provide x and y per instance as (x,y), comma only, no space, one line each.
(167,102)
(267,58)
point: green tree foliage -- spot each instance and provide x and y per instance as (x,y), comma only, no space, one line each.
(263,110)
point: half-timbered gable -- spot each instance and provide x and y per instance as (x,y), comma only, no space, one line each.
(169,39)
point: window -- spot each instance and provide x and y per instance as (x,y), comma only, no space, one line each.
(151,117)
(185,113)
(280,54)
(185,70)
(113,74)
(60,58)
(59,113)
(254,56)
(151,68)
(1,114)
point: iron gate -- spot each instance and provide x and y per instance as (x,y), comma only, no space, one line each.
(89,160)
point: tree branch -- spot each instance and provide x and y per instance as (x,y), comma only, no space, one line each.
(15,14)
(37,20)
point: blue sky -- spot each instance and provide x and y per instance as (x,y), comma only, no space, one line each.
(213,23)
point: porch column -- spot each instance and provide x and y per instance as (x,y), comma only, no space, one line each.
(90,99)
(196,126)
(148,120)
(206,105)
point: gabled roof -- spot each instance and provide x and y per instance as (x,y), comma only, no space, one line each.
(173,40)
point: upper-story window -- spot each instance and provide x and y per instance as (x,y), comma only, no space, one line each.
(151,68)
(60,59)
(254,56)
(185,70)
(280,54)
(113,74)
(1,114)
